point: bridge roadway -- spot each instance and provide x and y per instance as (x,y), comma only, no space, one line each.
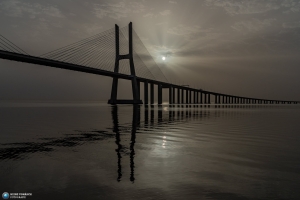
(205,96)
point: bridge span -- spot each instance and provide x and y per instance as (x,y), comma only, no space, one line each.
(178,94)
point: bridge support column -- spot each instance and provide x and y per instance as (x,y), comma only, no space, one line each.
(208,98)
(190,96)
(195,97)
(186,96)
(173,95)
(138,89)
(178,96)
(170,95)
(201,97)
(134,82)
(151,93)
(182,96)
(159,92)
(146,93)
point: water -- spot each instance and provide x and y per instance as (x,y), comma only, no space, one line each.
(95,151)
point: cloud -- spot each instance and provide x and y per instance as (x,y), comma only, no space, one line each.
(236,7)
(252,25)
(165,12)
(15,8)
(148,15)
(184,30)
(192,32)
(291,5)
(118,10)
(173,2)
(291,24)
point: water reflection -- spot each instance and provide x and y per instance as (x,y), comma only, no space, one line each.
(116,129)
(175,113)
(168,152)
(166,116)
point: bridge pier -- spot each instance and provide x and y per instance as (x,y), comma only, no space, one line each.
(151,93)
(182,96)
(201,97)
(134,82)
(190,96)
(138,89)
(208,98)
(159,94)
(178,96)
(173,96)
(146,93)
(186,96)
(170,95)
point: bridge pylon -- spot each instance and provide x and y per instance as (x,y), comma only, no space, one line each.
(134,82)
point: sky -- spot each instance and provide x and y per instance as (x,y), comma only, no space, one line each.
(247,48)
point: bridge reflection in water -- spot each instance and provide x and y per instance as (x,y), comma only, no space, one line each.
(166,115)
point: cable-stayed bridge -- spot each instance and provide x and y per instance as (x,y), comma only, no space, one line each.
(119,53)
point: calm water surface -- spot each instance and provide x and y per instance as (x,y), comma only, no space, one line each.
(97,151)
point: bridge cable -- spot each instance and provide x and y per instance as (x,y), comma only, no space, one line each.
(4,41)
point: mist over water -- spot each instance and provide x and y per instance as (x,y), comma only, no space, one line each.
(97,151)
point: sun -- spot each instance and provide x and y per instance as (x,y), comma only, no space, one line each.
(163,58)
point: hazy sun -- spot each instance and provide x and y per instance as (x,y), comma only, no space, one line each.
(164,58)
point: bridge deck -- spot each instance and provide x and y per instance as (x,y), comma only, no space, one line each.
(69,66)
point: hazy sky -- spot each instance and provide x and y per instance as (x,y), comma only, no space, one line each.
(248,47)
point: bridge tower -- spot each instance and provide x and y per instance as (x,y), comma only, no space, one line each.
(134,82)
